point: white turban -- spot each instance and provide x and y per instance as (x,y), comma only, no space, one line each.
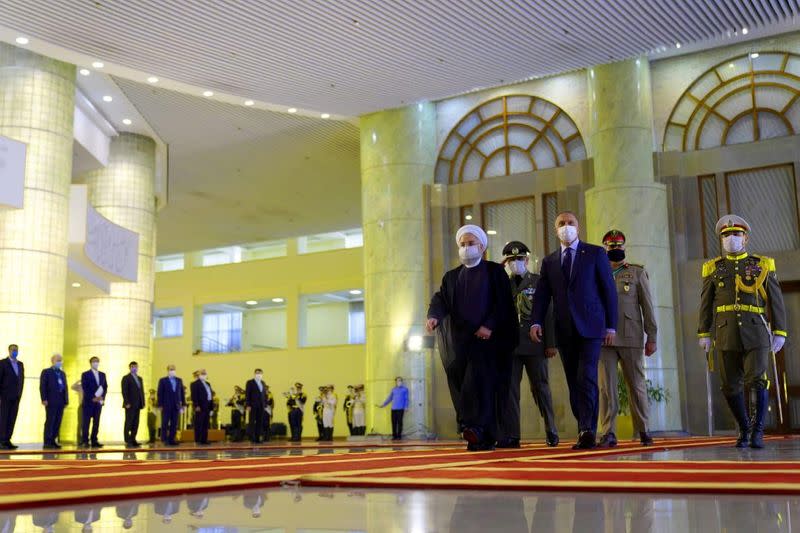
(474,230)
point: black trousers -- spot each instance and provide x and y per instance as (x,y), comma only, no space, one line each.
(200,424)
(478,402)
(132,425)
(52,422)
(296,424)
(580,357)
(397,423)
(152,425)
(90,414)
(256,423)
(509,394)
(8,418)
(265,429)
(169,424)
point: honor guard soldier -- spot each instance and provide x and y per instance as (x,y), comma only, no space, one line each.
(348,407)
(296,405)
(742,316)
(318,407)
(530,356)
(636,320)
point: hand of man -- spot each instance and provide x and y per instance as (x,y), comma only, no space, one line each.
(649,348)
(550,352)
(705,344)
(127,406)
(247,408)
(197,409)
(44,403)
(536,333)
(431,324)
(777,343)
(611,335)
(483,333)
(182,410)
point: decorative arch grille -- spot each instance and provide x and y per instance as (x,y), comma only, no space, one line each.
(748,98)
(509,135)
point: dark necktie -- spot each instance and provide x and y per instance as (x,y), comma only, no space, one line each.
(566,265)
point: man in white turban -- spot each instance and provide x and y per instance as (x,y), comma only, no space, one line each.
(477,326)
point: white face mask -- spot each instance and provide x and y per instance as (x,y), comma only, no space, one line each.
(567,233)
(733,243)
(518,267)
(258,377)
(171,373)
(96,365)
(470,255)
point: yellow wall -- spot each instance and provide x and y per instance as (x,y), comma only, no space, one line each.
(288,277)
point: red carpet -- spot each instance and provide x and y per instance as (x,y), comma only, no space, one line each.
(533,467)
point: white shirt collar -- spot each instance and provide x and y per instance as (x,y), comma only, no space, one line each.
(574,246)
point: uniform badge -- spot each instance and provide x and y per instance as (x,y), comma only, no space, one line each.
(627,287)
(721,284)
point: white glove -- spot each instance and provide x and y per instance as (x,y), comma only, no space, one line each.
(705,343)
(777,343)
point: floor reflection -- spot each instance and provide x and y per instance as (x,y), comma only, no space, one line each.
(294,509)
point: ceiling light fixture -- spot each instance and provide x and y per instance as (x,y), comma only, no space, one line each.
(85,71)
(292,110)
(277,300)
(249,102)
(107,98)
(76,285)
(731,65)
(208,94)
(745,31)
(97,64)
(251,302)
(152,79)
(22,40)
(677,45)
(127,121)
(491,232)
(754,55)
(325,115)
(355,292)
(468,217)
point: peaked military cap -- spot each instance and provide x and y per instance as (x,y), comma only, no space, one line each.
(614,236)
(515,249)
(729,223)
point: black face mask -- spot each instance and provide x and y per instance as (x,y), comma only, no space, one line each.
(616,255)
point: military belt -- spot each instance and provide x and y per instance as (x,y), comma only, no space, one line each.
(740,307)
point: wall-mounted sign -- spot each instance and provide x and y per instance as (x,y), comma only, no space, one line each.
(12,172)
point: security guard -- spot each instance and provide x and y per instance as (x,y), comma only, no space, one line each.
(637,319)
(742,315)
(528,355)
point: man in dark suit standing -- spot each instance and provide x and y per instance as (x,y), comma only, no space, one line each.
(95,387)
(12,378)
(133,402)
(202,395)
(172,402)
(577,278)
(255,401)
(53,390)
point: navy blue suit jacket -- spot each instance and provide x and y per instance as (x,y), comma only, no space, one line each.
(200,395)
(588,299)
(89,386)
(50,390)
(167,398)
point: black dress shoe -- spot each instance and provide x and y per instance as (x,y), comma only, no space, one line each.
(96,445)
(480,447)
(472,435)
(645,438)
(609,440)
(508,443)
(586,441)
(10,446)
(551,439)
(51,446)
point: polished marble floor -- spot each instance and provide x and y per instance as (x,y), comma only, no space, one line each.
(306,510)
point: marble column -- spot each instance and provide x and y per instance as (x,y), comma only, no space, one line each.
(37,102)
(626,196)
(398,154)
(117,327)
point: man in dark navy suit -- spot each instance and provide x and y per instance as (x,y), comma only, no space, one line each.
(12,378)
(172,402)
(133,402)
(95,387)
(255,401)
(202,395)
(54,392)
(577,278)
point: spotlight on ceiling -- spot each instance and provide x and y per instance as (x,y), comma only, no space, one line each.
(292,110)
(76,285)
(249,102)
(107,98)
(325,115)
(677,45)
(467,217)
(491,232)
(277,300)
(355,292)
(745,31)
(754,55)
(22,40)
(152,79)
(208,94)
(98,64)
(127,121)
(85,71)
(251,302)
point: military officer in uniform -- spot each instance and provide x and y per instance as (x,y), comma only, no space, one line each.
(742,316)
(296,405)
(318,407)
(636,319)
(530,356)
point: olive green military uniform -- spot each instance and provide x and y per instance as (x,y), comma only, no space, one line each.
(741,307)
(636,319)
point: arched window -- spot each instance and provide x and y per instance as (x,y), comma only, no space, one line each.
(748,98)
(508,135)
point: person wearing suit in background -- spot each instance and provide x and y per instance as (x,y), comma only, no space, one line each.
(55,397)
(255,401)
(202,396)
(133,402)
(577,279)
(479,333)
(126,511)
(12,379)
(95,387)
(172,402)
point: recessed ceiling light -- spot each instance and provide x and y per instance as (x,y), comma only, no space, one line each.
(292,110)
(277,300)
(98,64)
(251,302)
(467,217)
(76,285)
(325,115)
(355,292)
(22,40)
(152,79)
(208,93)
(731,65)
(85,71)
(107,98)
(677,45)
(745,31)
(491,232)
(127,121)
(249,102)
(754,55)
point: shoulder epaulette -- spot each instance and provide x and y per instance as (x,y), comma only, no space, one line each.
(767,262)
(636,265)
(709,267)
